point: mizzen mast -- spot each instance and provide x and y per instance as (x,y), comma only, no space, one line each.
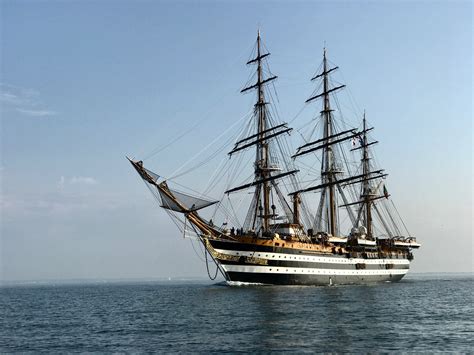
(366,191)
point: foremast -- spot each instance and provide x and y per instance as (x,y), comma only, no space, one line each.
(328,170)
(261,208)
(261,164)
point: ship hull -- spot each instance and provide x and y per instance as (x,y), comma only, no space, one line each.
(269,278)
(283,266)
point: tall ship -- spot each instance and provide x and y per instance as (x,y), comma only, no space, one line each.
(319,214)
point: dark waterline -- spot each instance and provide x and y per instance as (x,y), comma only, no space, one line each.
(421,313)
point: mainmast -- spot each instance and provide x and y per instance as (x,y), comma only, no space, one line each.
(328,203)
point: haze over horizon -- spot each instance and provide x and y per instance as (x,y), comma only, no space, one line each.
(85,83)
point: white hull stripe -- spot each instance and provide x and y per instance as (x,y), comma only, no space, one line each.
(313,259)
(309,271)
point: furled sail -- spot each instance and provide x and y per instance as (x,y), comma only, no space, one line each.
(182,202)
(170,199)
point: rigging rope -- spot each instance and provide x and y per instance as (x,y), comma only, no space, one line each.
(207,115)
(207,146)
(406,229)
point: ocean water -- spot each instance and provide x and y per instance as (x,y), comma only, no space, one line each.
(422,313)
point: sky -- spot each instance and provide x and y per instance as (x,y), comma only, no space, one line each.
(84,83)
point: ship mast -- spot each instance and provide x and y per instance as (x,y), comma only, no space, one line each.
(366,191)
(261,211)
(328,172)
(328,202)
(262,165)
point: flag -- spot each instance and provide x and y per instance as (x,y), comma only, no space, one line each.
(385,192)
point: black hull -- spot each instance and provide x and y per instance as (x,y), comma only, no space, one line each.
(308,280)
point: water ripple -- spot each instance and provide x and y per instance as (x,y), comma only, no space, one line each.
(421,314)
